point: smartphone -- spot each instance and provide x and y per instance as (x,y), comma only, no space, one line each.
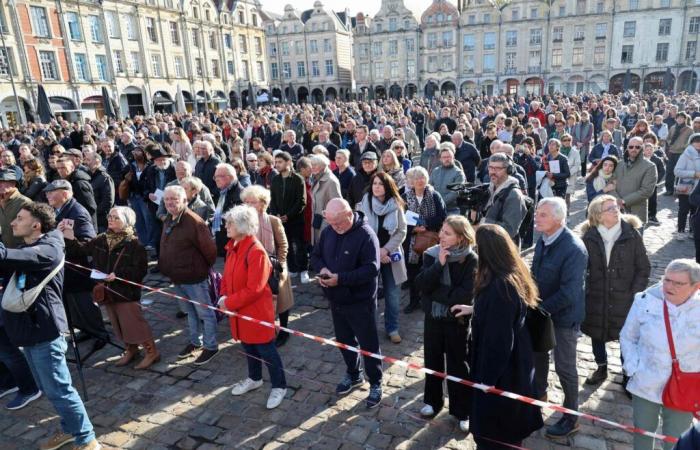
(323,276)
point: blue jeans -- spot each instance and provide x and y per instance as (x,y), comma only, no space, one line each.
(268,353)
(147,225)
(48,363)
(138,204)
(392,294)
(201,321)
(14,370)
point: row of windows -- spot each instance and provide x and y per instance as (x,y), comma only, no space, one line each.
(113,29)
(394,69)
(299,47)
(301,69)
(392,45)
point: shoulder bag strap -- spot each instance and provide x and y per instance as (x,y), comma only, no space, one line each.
(118,258)
(669,335)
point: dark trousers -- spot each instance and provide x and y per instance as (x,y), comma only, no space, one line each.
(446,344)
(564,365)
(298,256)
(670,166)
(412,271)
(684,210)
(652,208)
(85,315)
(355,325)
(14,370)
(256,354)
(484,444)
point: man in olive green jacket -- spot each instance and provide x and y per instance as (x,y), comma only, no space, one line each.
(11,201)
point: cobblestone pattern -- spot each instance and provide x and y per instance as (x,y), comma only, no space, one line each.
(178,405)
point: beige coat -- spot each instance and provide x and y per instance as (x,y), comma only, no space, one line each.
(285,299)
(322,191)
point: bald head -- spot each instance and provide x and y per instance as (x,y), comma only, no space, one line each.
(339,216)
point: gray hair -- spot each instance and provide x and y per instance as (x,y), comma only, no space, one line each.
(228,168)
(344,152)
(193,182)
(126,215)
(319,160)
(175,189)
(319,150)
(685,265)
(507,149)
(558,206)
(244,218)
(417,172)
(458,134)
(447,147)
(257,192)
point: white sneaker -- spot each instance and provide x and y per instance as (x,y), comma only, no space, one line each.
(305,277)
(680,235)
(244,386)
(276,397)
(293,274)
(464,426)
(427,411)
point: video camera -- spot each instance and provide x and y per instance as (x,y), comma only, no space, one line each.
(471,197)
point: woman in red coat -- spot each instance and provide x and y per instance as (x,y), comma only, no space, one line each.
(245,290)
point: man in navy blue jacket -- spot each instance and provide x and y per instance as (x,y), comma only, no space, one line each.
(559,269)
(77,289)
(38,329)
(347,261)
(467,154)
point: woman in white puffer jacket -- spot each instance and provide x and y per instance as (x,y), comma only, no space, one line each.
(645,349)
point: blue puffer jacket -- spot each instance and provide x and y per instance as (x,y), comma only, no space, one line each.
(46,318)
(559,270)
(354,256)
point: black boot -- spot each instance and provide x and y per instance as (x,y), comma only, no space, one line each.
(282,338)
(598,376)
(414,302)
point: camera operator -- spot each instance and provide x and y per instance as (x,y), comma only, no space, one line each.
(506,205)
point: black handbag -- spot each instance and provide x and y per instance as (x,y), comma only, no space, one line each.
(539,324)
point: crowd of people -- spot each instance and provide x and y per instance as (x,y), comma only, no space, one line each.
(366,199)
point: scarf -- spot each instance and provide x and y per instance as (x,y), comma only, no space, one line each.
(376,209)
(116,238)
(265,234)
(425,209)
(219,211)
(457,254)
(609,235)
(601,181)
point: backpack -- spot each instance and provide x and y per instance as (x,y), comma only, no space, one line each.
(526,224)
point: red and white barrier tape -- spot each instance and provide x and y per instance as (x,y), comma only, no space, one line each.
(417,367)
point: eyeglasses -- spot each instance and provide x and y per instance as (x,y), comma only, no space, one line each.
(497,167)
(110,217)
(610,209)
(634,146)
(675,283)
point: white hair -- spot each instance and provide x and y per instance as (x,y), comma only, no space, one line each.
(244,218)
(126,215)
(228,168)
(175,189)
(685,265)
(319,160)
(417,172)
(258,193)
(558,206)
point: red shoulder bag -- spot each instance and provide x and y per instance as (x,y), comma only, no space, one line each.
(682,391)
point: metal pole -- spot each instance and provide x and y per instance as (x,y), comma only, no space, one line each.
(12,78)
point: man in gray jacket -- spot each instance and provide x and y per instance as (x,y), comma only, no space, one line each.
(636,179)
(506,205)
(446,174)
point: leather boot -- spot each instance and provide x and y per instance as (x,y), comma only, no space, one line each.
(152,355)
(129,354)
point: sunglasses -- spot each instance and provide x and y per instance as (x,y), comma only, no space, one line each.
(634,146)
